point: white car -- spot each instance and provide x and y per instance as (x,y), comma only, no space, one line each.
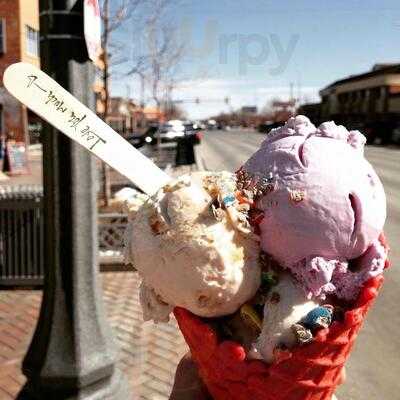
(169,132)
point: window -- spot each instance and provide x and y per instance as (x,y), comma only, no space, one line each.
(2,35)
(32,41)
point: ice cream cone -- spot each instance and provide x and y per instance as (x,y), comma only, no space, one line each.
(309,372)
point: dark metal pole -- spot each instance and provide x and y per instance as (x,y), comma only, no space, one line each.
(71,355)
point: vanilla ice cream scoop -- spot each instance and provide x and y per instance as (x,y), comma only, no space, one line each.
(192,245)
(286,305)
(326,204)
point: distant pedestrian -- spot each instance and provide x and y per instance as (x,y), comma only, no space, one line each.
(6,162)
(185,151)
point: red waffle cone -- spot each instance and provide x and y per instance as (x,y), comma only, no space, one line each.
(311,373)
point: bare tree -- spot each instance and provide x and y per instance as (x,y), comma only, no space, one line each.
(157,66)
(112,20)
(165,56)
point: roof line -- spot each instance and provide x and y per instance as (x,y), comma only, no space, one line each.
(393,68)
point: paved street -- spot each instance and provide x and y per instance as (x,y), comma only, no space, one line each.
(374,367)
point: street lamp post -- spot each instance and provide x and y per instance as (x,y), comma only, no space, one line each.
(71,355)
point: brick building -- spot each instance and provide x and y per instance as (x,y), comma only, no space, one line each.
(125,116)
(19,41)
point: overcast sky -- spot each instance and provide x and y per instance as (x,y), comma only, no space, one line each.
(252,51)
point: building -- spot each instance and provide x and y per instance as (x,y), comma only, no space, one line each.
(312,111)
(19,41)
(154,115)
(368,101)
(249,110)
(124,116)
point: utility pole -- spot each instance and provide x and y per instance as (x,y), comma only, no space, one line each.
(142,90)
(105,170)
(291,91)
(71,355)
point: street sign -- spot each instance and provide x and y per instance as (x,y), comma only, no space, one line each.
(92,28)
(249,109)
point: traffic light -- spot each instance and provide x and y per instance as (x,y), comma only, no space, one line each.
(197,100)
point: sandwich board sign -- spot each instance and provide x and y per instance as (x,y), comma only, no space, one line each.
(92,28)
(16,161)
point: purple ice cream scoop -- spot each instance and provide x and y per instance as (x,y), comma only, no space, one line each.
(327,206)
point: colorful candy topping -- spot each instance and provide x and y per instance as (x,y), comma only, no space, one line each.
(320,317)
(250,317)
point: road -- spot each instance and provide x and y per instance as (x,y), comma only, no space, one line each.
(374,367)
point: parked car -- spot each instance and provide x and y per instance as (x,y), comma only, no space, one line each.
(138,139)
(381,130)
(211,124)
(150,132)
(396,134)
(193,132)
(169,132)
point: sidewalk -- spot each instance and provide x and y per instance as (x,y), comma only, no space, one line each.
(148,353)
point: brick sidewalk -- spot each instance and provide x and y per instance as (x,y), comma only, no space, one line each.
(148,353)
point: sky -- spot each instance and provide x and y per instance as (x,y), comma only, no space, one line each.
(254,51)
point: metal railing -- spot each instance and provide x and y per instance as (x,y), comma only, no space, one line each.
(111,237)
(22,240)
(21,235)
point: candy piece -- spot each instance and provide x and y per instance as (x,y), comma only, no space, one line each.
(303,335)
(229,200)
(320,317)
(268,279)
(250,317)
(297,195)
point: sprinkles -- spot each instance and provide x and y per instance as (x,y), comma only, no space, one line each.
(303,335)
(297,195)
(253,187)
(229,200)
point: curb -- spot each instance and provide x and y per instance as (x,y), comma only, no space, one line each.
(198,156)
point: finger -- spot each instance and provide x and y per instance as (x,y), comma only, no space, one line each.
(187,384)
